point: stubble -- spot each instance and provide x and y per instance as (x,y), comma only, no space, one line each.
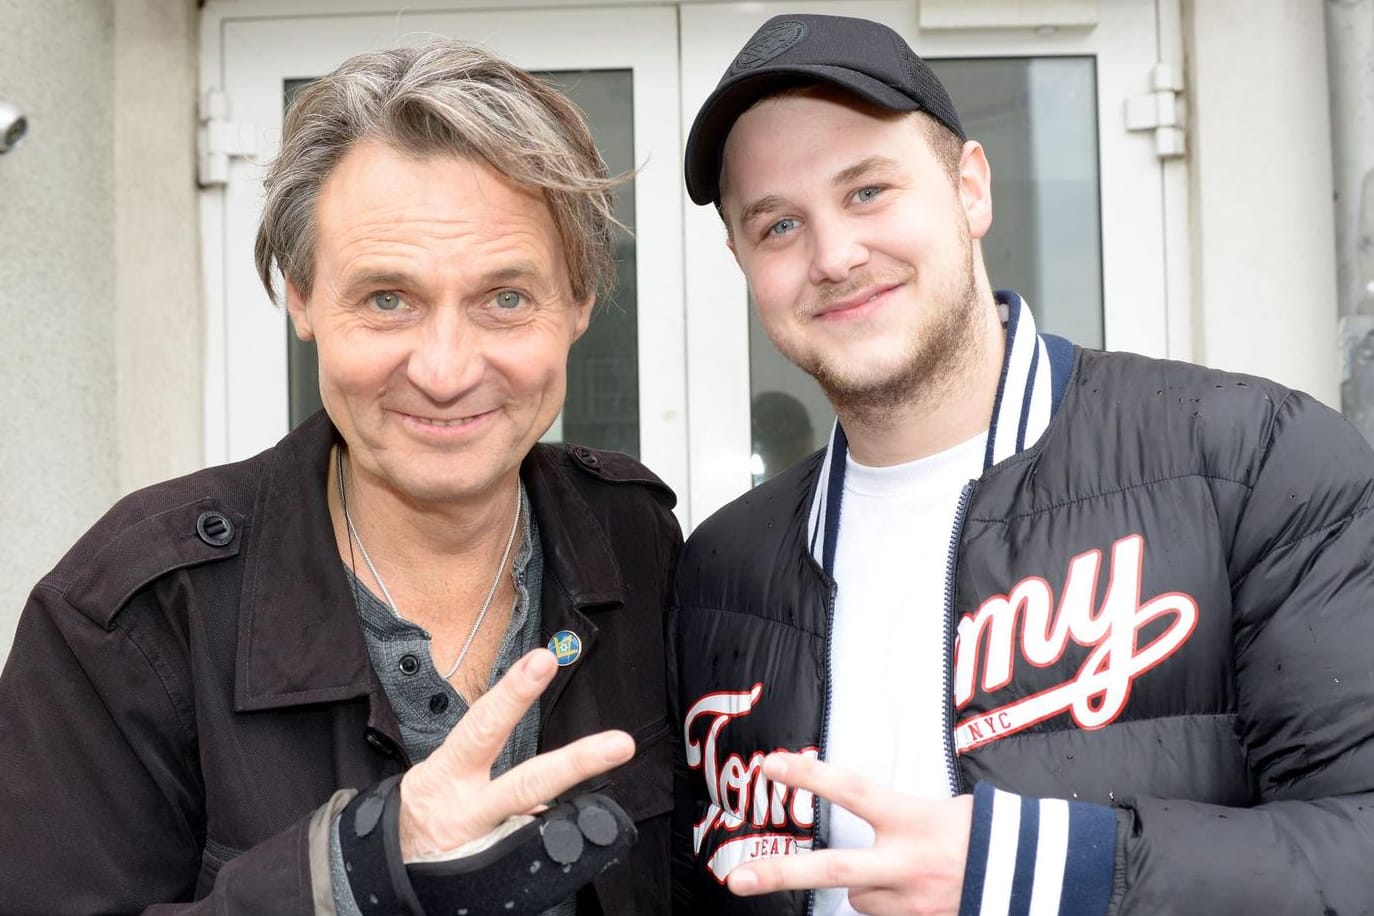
(935,360)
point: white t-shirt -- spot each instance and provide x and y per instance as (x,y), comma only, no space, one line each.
(887,646)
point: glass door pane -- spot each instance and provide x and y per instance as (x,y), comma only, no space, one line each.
(602,408)
(1037,119)
(302,364)
(789,417)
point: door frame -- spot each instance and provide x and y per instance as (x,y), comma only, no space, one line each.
(700,363)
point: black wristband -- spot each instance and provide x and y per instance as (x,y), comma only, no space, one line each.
(370,846)
(532,869)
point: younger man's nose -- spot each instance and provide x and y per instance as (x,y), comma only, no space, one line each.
(836,251)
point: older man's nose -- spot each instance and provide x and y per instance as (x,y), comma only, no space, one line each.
(446,361)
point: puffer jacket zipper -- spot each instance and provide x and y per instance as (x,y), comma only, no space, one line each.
(825,735)
(965,497)
(955,781)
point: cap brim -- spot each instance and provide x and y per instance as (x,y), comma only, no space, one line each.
(706,140)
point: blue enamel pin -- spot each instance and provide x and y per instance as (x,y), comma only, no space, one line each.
(566,646)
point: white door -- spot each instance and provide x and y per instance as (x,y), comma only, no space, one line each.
(681,375)
(1078,204)
(627,376)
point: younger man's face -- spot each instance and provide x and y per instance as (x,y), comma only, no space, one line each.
(854,237)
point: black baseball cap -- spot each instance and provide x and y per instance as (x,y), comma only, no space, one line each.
(867,58)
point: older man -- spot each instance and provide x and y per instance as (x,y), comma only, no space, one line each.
(199,690)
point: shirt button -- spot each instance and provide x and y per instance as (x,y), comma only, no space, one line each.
(438,703)
(380,743)
(409,664)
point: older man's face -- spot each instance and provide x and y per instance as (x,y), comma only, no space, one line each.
(443,314)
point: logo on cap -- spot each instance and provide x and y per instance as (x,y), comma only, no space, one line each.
(769,43)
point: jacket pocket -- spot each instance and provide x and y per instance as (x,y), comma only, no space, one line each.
(644,786)
(212,858)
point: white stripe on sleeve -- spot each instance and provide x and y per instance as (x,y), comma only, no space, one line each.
(1006,830)
(1050,852)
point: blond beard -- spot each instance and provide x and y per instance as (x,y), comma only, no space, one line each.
(933,363)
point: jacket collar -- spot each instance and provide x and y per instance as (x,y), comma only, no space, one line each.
(584,567)
(299,636)
(1035,372)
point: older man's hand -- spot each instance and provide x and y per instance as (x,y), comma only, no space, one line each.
(916,862)
(450,798)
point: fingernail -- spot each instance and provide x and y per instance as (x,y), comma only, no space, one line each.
(743,881)
(539,664)
(775,765)
(613,747)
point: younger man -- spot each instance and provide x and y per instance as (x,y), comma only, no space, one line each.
(1043,630)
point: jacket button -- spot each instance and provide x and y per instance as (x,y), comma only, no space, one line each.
(409,664)
(380,743)
(438,703)
(215,528)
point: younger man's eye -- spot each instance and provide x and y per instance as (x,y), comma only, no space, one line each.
(864,195)
(782,226)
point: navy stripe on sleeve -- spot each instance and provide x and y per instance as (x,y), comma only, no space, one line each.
(979,835)
(1028,838)
(1092,855)
(1037,857)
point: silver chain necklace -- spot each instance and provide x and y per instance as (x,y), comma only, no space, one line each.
(390,603)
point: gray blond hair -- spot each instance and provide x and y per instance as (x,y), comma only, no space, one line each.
(445,98)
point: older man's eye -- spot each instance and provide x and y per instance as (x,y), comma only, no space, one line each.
(509,299)
(387,302)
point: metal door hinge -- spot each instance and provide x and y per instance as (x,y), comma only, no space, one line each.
(220,139)
(1161,110)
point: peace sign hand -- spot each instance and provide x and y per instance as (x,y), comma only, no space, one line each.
(450,798)
(915,866)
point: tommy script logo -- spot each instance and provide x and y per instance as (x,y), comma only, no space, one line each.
(739,791)
(760,818)
(1098,692)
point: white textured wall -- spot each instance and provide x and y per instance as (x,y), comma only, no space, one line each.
(158,330)
(100,314)
(1264,255)
(58,446)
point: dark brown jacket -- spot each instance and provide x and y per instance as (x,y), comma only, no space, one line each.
(191,684)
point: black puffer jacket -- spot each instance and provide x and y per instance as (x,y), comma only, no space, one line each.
(1222,526)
